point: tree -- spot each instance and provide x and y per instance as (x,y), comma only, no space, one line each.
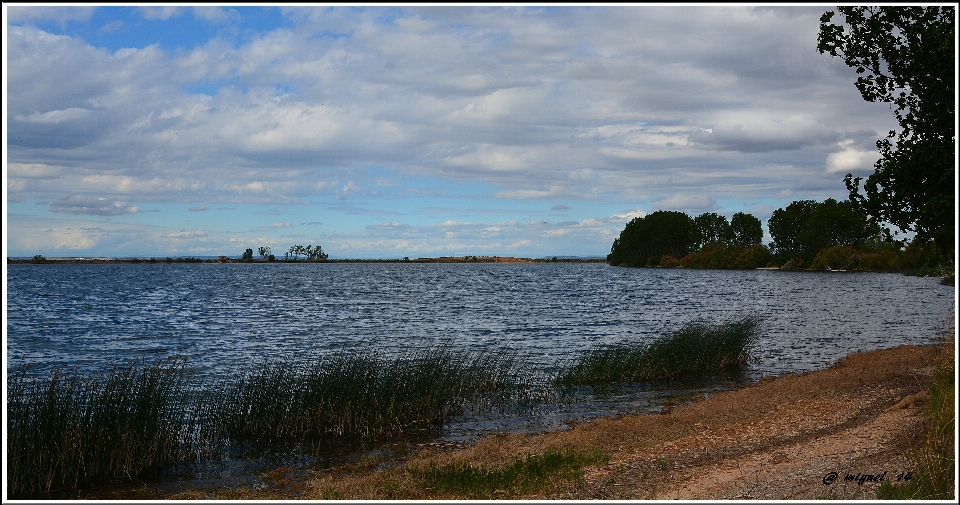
(746,230)
(713,228)
(263,251)
(644,240)
(904,55)
(805,227)
(785,227)
(247,255)
(315,253)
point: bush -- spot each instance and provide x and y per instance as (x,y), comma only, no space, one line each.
(668,261)
(836,258)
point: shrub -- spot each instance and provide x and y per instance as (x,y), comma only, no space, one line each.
(836,258)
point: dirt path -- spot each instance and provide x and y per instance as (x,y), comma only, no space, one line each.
(827,434)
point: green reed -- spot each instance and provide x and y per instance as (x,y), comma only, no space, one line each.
(363,396)
(67,430)
(697,347)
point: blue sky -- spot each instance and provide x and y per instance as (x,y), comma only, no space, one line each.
(417,131)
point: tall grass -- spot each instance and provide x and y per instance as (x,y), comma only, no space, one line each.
(697,347)
(66,430)
(934,463)
(69,431)
(364,396)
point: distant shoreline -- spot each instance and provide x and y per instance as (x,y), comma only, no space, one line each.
(223,259)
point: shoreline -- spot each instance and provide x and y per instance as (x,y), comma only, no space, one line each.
(442,259)
(777,439)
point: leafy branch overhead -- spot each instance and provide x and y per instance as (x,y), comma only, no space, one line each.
(905,56)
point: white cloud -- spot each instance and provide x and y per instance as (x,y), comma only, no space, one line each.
(161,13)
(686,201)
(851,160)
(186,234)
(78,204)
(55,116)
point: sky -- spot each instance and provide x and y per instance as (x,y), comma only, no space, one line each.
(412,131)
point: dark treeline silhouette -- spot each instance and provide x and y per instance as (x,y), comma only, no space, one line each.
(807,234)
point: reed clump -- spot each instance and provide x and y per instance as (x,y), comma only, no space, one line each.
(68,431)
(363,396)
(64,431)
(697,347)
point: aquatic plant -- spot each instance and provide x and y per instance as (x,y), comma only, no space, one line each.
(67,430)
(697,347)
(363,396)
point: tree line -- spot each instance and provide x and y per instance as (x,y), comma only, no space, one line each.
(310,253)
(827,235)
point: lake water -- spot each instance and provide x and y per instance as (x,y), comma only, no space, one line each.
(223,316)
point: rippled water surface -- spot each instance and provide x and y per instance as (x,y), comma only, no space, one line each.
(223,315)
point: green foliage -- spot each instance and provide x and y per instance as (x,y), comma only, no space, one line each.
(746,230)
(697,347)
(67,431)
(805,227)
(724,256)
(525,475)
(311,253)
(841,257)
(713,228)
(645,240)
(264,252)
(247,255)
(360,396)
(905,56)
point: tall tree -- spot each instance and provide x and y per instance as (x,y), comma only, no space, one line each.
(714,229)
(805,227)
(645,239)
(746,230)
(904,55)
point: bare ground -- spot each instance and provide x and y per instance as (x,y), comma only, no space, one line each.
(827,434)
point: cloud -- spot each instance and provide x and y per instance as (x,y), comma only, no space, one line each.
(560,207)
(629,215)
(112,26)
(852,160)
(186,234)
(281,225)
(216,14)
(55,116)
(20,14)
(161,13)
(686,201)
(199,208)
(77,204)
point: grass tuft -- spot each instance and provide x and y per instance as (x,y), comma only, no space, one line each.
(523,476)
(697,347)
